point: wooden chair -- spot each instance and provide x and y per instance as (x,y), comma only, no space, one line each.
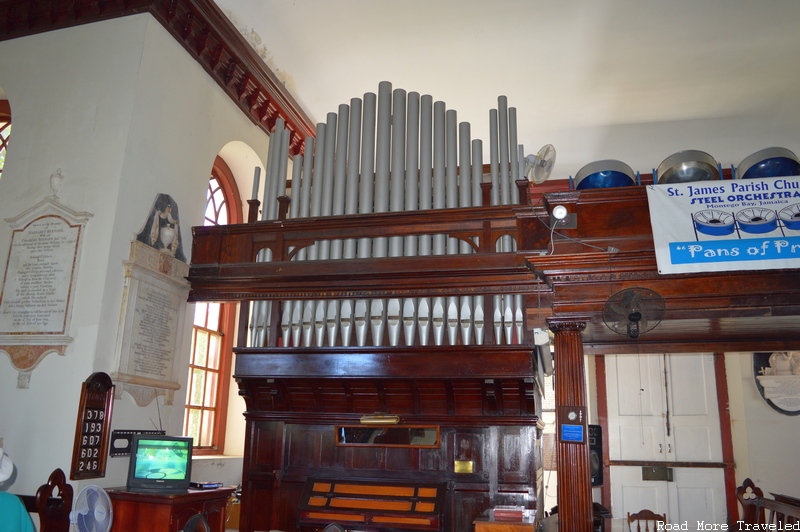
(53,510)
(647,517)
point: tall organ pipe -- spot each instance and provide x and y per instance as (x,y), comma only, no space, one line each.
(309,306)
(425,202)
(365,205)
(465,200)
(381,202)
(451,149)
(262,309)
(477,199)
(291,311)
(411,203)
(339,182)
(351,207)
(320,312)
(305,205)
(439,202)
(396,201)
(513,152)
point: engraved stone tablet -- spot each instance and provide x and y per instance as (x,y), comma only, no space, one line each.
(151,324)
(38,282)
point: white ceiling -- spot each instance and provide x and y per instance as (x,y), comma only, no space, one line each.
(634,80)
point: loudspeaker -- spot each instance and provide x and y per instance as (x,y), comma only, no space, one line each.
(596,454)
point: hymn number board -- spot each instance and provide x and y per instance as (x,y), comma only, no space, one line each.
(90,451)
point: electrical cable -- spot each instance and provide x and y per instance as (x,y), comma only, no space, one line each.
(610,249)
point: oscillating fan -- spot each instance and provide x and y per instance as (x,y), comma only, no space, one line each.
(538,167)
(633,311)
(92,511)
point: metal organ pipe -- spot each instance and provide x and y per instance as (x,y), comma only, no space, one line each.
(411,203)
(439,202)
(396,200)
(425,202)
(339,181)
(365,205)
(512,146)
(388,153)
(381,199)
(291,312)
(261,310)
(309,307)
(351,207)
(477,200)
(465,200)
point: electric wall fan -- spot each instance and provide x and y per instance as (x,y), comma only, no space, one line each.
(633,311)
(538,167)
(92,510)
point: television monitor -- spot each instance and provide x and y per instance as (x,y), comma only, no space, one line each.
(160,463)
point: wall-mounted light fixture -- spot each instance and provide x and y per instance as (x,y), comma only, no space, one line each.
(560,217)
(379,419)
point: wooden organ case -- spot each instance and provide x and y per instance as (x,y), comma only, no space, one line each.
(416,314)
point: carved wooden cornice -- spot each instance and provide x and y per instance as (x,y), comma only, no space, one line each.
(203,30)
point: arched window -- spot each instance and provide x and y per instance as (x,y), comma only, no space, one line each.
(5,131)
(212,334)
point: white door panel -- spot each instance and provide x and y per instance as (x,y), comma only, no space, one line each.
(700,496)
(638,443)
(635,405)
(629,493)
(694,416)
(665,416)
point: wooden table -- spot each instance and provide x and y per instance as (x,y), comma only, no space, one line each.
(167,512)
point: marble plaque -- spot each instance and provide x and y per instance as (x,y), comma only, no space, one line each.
(38,283)
(151,324)
(777,377)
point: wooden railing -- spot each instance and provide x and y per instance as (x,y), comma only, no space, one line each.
(775,513)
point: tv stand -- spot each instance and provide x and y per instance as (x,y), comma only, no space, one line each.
(167,512)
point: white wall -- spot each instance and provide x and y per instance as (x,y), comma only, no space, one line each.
(126,114)
(765,441)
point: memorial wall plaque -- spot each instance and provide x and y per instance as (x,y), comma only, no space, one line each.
(38,283)
(152,324)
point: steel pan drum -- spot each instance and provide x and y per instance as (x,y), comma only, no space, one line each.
(608,173)
(757,220)
(714,223)
(790,216)
(686,166)
(769,162)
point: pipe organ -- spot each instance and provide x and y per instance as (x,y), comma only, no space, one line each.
(391,152)
(389,283)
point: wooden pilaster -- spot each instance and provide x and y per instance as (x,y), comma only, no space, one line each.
(572,459)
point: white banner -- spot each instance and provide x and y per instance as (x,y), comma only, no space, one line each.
(726,225)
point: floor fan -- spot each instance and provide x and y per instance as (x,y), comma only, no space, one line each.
(93,511)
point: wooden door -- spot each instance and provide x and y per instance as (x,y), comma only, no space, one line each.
(662,410)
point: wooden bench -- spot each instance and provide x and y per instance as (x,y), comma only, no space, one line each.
(372,505)
(760,510)
(53,510)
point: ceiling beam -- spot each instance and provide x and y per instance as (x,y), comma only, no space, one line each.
(204,32)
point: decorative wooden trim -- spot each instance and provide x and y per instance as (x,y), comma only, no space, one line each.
(723,404)
(602,420)
(203,30)
(657,463)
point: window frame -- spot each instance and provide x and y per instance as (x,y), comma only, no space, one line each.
(227,321)
(5,128)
